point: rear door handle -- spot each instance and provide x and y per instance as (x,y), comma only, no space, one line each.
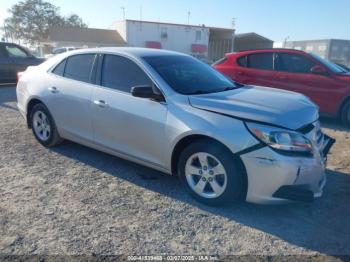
(53,90)
(100,103)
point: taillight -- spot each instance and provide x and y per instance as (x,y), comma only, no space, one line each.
(19,75)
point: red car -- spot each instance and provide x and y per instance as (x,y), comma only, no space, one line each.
(327,84)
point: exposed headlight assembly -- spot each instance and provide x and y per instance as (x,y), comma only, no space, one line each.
(280,139)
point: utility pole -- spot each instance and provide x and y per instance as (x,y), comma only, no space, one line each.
(123,11)
(141,18)
(188,17)
(233,23)
(285,41)
(141,13)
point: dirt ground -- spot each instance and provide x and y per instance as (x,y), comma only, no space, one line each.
(74,200)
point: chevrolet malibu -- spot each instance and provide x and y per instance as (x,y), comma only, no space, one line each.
(173,113)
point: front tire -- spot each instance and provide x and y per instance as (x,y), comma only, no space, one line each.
(345,113)
(43,126)
(211,174)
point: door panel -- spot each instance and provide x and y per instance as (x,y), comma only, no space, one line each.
(70,93)
(129,125)
(126,124)
(70,105)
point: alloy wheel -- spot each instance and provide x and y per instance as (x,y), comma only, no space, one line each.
(206,175)
(41,125)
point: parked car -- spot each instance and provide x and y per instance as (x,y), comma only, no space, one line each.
(327,84)
(343,66)
(13,59)
(174,113)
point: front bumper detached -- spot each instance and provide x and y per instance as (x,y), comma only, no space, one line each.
(304,192)
(277,178)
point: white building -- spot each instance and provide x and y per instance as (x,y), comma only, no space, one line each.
(207,43)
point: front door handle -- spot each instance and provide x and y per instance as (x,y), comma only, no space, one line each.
(100,103)
(53,90)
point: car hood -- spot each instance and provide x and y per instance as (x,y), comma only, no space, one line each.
(268,105)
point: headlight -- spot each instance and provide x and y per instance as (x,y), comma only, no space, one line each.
(280,139)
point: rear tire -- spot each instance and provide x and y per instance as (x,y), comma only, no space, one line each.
(211,174)
(43,126)
(345,113)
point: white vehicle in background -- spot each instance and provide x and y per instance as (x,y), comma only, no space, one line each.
(60,50)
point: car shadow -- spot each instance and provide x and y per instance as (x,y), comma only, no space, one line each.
(322,226)
(334,124)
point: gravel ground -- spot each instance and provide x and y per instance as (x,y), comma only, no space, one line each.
(75,200)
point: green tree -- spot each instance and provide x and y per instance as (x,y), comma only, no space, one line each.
(30,20)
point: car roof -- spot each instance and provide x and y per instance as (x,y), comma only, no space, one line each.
(267,50)
(131,51)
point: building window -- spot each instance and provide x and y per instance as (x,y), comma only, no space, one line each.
(309,48)
(322,48)
(164,33)
(198,35)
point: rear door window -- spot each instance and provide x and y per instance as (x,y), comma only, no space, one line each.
(79,67)
(262,61)
(293,63)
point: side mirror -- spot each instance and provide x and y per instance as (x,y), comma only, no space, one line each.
(147,92)
(319,70)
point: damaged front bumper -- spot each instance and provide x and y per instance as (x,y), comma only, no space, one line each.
(277,178)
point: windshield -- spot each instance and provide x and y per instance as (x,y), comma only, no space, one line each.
(333,67)
(187,75)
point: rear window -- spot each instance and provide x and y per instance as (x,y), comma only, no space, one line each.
(79,67)
(263,61)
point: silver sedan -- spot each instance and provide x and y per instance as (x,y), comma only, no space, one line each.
(173,113)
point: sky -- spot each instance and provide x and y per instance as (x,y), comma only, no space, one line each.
(274,19)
